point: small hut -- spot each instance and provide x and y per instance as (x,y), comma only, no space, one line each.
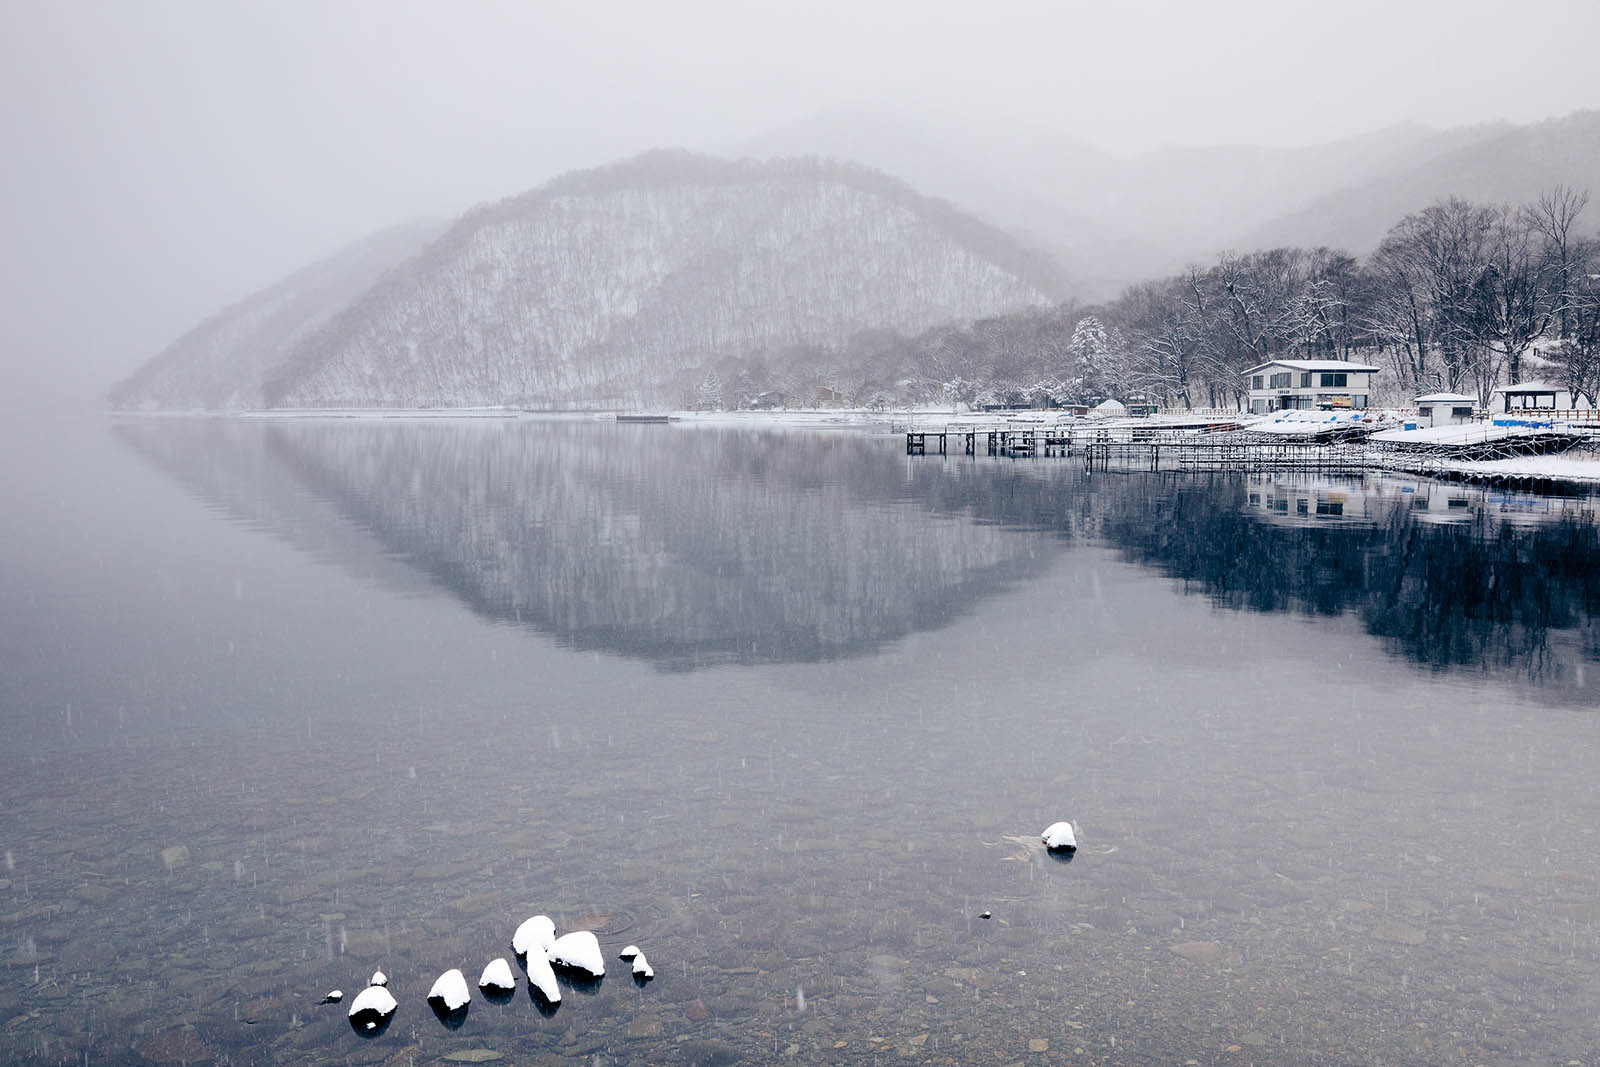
(1445,409)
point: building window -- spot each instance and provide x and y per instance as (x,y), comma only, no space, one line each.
(1360,401)
(1461,413)
(1305,380)
(1333,381)
(1330,507)
(1255,382)
(1281,381)
(1424,413)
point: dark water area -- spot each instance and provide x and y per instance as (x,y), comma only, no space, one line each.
(286,701)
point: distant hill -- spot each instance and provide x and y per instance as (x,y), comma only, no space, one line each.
(1113,219)
(221,364)
(1510,164)
(614,286)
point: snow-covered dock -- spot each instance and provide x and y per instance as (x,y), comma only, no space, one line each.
(1315,441)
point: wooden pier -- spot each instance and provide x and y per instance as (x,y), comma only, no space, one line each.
(1141,448)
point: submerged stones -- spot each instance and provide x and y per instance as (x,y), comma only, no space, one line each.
(1058,837)
(497,979)
(333,997)
(579,951)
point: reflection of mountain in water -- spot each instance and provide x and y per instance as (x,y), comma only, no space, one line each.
(679,546)
(1447,575)
(689,546)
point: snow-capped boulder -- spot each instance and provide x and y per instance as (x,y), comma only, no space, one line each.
(542,976)
(628,953)
(579,950)
(538,932)
(333,997)
(451,990)
(371,1007)
(1058,837)
(378,978)
(497,977)
(642,969)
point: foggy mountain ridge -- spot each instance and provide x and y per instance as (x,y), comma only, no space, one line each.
(617,286)
(1117,219)
(221,364)
(1506,164)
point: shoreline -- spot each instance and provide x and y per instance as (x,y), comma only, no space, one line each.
(1556,472)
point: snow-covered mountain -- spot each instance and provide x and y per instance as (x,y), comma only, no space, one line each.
(220,365)
(618,286)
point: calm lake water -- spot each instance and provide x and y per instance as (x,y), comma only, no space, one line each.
(288,701)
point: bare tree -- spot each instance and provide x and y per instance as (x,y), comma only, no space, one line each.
(1514,290)
(1553,216)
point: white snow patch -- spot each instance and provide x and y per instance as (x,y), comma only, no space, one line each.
(497,977)
(538,932)
(378,978)
(543,978)
(1059,835)
(451,990)
(375,999)
(579,950)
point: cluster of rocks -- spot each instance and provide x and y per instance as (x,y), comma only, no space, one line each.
(535,943)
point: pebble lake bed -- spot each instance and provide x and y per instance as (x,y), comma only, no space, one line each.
(290,701)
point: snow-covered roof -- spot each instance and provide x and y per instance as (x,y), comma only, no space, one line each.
(1468,434)
(1317,365)
(1531,387)
(1447,398)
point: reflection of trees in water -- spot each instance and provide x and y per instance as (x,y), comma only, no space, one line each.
(682,547)
(1482,593)
(693,545)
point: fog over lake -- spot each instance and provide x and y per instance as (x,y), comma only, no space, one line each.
(288,701)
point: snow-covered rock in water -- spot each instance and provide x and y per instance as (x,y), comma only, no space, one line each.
(451,990)
(543,978)
(538,932)
(497,977)
(641,968)
(372,1006)
(628,953)
(1058,837)
(333,997)
(579,950)
(378,978)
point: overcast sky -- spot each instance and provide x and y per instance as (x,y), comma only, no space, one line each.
(163,159)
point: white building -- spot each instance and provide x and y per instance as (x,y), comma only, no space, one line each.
(1445,409)
(1531,398)
(1313,384)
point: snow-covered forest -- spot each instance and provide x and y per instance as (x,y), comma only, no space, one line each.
(1458,296)
(618,287)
